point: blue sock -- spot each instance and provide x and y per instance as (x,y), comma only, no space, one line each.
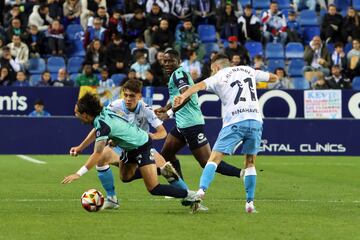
(179,184)
(208,175)
(250,183)
(106,178)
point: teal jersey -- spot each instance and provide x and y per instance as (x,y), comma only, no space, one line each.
(190,114)
(110,125)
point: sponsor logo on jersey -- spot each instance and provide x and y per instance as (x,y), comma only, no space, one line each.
(201,138)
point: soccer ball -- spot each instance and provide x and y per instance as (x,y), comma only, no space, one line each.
(92,200)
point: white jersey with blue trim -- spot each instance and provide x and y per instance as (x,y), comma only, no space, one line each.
(142,116)
(236,88)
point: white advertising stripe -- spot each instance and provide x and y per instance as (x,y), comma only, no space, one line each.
(29,159)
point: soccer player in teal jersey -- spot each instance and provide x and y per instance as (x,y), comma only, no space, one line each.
(135,142)
(190,122)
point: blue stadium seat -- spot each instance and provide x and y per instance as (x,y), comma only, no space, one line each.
(342,4)
(207,33)
(244,2)
(53,76)
(77,49)
(261,4)
(284,4)
(308,18)
(254,48)
(74,32)
(209,48)
(356,4)
(36,65)
(294,50)
(356,83)
(347,47)
(55,63)
(34,79)
(73,76)
(330,47)
(301,83)
(275,63)
(296,68)
(274,51)
(74,64)
(309,33)
(118,78)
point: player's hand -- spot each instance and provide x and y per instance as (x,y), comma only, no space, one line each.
(111,143)
(163,116)
(159,111)
(74,151)
(70,178)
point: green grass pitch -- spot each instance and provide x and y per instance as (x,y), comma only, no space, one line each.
(297,198)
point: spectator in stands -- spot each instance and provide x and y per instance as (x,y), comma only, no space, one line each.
(274,24)
(206,68)
(131,75)
(62,79)
(153,21)
(181,10)
(2,43)
(204,12)
(188,39)
(301,4)
(163,4)
(337,80)
(259,63)
(105,81)
(15,12)
(338,57)
(351,25)
(235,60)
(87,78)
(55,9)
(39,110)
(9,62)
(163,37)
(294,31)
(317,59)
(140,66)
(150,79)
(353,58)
(71,12)
(96,55)
(55,36)
(45,81)
(21,80)
(236,5)
(5,78)
(227,23)
(283,82)
(88,9)
(331,25)
(118,53)
(236,48)
(15,29)
(102,14)
(140,47)
(95,32)
(117,24)
(131,5)
(40,17)
(136,26)
(192,65)
(35,41)
(320,83)
(157,69)
(19,50)
(249,25)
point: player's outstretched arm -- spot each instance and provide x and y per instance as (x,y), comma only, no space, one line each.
(90,138)
(179,101)
(273,77)
(159,134)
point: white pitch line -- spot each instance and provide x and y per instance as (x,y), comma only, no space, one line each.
(33,160)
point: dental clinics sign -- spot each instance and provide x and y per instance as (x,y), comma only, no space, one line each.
(322,104)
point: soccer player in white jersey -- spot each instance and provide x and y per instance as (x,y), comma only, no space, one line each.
(242,122)
(139,113)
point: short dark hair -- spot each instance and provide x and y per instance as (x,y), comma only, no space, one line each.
(173,53)
(39,102)
(218,57)
(338,44)
(133,85)
(89,104)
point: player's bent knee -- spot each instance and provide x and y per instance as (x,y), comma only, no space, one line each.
(125,178)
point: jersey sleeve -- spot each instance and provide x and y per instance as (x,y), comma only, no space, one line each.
(261,76)
(115,106)
(181,79)
(211,83)
(151,117)
(102,131)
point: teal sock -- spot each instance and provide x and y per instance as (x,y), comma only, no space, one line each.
(107,180)
(179,184)
(250,183)
(207,175)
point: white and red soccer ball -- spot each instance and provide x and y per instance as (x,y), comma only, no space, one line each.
(92,200)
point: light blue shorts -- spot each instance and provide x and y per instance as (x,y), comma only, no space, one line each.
(248,133)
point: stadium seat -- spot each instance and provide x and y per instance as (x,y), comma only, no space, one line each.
(34,79)
(209,48)
(77,49)
(55,63)
(244,2)
(294,50)
(36,65)
(254,48)
(207,33)
(261,4)
(74,64)
(342,4)
(309,33)
(118,78)
(347,47)
(74,32)
(356,4)
(296,68)
(356,83)
(301,83)
(308,18)
(330,47)
(284,4)
(275,63)
(73,76)
(274,51)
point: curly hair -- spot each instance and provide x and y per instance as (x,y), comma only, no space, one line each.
(89,104)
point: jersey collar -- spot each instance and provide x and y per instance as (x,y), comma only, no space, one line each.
(127,111)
